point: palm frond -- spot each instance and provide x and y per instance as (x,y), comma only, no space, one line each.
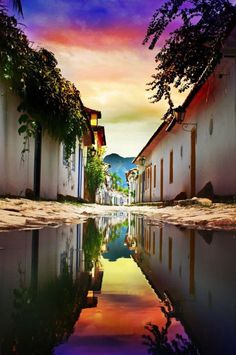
(17,5)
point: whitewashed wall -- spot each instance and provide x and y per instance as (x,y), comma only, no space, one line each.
(216,153)
(16,171)
(214,104)
(71,179)
(68,177)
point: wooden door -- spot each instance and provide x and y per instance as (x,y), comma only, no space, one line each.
(37,161)
(150,172)
(193,163)
(161,180)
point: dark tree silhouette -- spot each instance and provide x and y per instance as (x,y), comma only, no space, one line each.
(157,340)
(193,49)
(16,4)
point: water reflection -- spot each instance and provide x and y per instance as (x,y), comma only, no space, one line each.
(98,287)
(197,271)
(42,283)
(115,319)
(158,341)
(46,277)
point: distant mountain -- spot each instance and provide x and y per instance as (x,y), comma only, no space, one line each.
(119,165)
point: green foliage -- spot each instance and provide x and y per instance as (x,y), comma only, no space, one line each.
(192,51)
(44,318)
(117,183)
(92,243)
(47,97)
(95,172)
(116,180)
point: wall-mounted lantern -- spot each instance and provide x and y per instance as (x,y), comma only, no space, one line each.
(142,161)
(179,113)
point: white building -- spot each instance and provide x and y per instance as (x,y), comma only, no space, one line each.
(196,150)
(41,171)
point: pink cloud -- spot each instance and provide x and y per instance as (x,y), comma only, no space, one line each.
(107,38)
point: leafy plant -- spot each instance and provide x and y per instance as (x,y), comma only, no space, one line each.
(47,98)
(92,243)
(45,317)
(193,49)
(116,180)
(95,172)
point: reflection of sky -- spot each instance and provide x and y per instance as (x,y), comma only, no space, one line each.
(116,248)
(126,304)
(98,44)
(116,325)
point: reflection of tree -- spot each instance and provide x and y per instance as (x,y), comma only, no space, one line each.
(44,318)
(116,230)
(158,342)
(91,243)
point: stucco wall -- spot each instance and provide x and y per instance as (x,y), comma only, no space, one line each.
(71,181)
(16,169)
(2,138)
(216,152)
(68,177)
(213,113)
(170,141)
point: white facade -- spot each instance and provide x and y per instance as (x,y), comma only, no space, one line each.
(17,170)
(202,149)
(71,176)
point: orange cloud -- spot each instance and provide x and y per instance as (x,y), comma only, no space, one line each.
(111,38)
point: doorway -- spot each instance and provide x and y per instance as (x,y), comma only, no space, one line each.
(193,163)
(161,180)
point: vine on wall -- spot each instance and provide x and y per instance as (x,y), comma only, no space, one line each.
(46,96)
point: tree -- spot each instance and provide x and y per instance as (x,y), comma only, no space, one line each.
(47,98)
(116,180)
(193,49)
(95,173)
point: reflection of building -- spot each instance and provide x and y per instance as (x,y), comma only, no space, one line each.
(36,259)
(191,268)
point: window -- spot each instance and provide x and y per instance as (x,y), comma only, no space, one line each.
(171,167)
(181,152)
(154,176)
(145,179)
(94,119)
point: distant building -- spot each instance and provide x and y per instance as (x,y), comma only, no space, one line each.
(131,178)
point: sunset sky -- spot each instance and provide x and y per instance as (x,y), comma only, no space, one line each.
(98,45)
